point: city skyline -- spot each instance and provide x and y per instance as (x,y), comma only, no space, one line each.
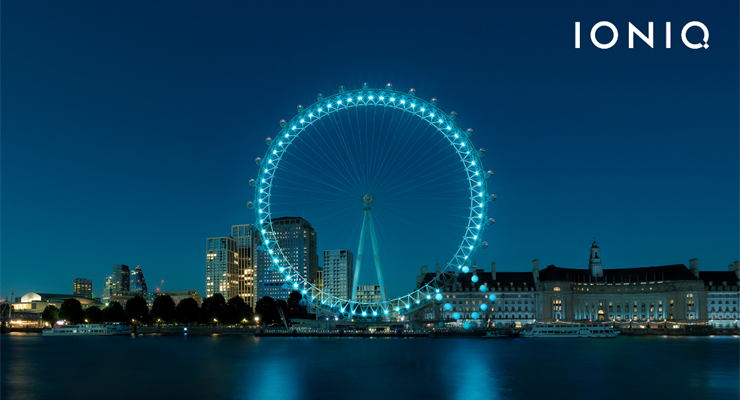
(140,144)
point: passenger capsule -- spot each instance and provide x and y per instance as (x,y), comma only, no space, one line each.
(489,174)
(250,205)
(453,115)
(268,140)
(282,123)
(300,108)
(341,89)
(388,86)
(252,182)
(302,303)
(258,161)
(492,197)
(364,86)
(483,245)
(434,101)
(469,132)
(491,221)
(482,152)
(319,96)
(412,92)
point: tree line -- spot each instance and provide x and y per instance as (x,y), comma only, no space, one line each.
(214,310)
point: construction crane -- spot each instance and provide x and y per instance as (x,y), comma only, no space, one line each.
(161,284)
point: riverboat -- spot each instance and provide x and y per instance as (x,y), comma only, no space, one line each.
(87,330)
(569,331)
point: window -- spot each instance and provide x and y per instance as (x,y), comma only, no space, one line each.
(556,288)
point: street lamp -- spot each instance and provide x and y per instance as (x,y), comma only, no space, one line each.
(257,320)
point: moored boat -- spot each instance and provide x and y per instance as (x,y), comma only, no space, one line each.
(87,330)
(562,330)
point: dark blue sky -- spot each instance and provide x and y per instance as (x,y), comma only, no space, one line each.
(129,129)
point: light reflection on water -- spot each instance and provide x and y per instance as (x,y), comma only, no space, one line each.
(244,367)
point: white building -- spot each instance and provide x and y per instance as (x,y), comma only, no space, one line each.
(723,296)
(338,272)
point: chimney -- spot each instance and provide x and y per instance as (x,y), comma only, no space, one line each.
(493,270)
(694,267)
(475,267)
(437,269)
(422,275)
(423,270)
(736,266)
(536,271)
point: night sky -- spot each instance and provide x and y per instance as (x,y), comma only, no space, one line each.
(129,129)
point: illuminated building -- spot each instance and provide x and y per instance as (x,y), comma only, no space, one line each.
(656,295)
(137,283)
(120,279)
(82,287)
(222,275)
(338,272)
(297,239)
(107,290)
(247,241)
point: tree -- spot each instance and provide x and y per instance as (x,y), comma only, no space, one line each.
(237,311)
(294,305)
(187,311)
(93,315)
(213,308)
(163,309)
(137,309)
(114,313)
(71,311)
(266,309)
(51,314)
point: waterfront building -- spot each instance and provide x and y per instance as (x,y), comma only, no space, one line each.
(369,293)
(514,305)
(82,287)
(723,296)
(36,302)
(646,295)
(180,295)
(247,240)
(137,282)
(338,272)
(297,239)
(221,268)
(107,288)
(120,279)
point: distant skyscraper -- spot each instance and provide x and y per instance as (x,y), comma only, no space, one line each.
(138,283)
(247,240)
(107,290)
(298,240)
(121,279)
(82,287)
(338,272)
(221,267)
(318,281)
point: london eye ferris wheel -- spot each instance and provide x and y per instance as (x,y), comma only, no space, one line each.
(382,165)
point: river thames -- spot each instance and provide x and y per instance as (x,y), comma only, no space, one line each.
(245,367)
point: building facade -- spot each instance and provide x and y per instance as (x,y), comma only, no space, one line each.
(221,267)
(369,293)
(623,296)
(297,239)
(247,240)
(180,295)
(82,287)
(338,272)
(120,279)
